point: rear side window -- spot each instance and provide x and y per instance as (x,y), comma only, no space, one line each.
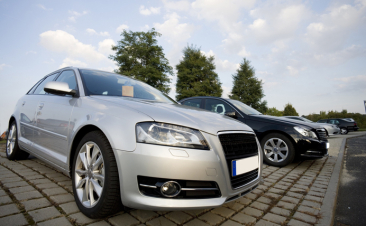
(322,121)
(69,78)
(39,90)
(334,121)
(193,103)
(218,106)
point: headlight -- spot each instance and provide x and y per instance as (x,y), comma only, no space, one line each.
(170,135)
(305,132)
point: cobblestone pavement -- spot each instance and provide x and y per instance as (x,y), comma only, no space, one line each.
(32,193)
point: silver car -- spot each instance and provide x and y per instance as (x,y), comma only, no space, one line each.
(329,128)
(124,143)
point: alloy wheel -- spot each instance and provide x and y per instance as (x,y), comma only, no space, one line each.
(12,137)
(276,150)
(89,174)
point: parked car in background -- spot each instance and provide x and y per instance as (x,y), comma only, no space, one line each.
(329,129)
(281,139)
(345,125)
(125,143)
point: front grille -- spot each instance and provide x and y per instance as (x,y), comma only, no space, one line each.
(322,134)
(239,146)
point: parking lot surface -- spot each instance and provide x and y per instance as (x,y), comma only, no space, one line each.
(32,192)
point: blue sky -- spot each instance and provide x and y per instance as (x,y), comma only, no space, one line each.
(308,53)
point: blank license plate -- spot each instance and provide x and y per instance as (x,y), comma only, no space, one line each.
(241,166)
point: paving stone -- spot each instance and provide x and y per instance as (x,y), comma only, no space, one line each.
(253,212)
(243,218)
(35,204)
(17,219)
(11,179)
(251,196)
(48,185)
(15,184)
(286,205)
(65,183)
(230,223)
(61,178)
(5,199)
(34,176)
(44,214)
(99,223)
(21,189)
(244,201)
(59,199)
(290,199)
(313,198)
(234,206)
(2,193)
(54,191)
(272,195)
(304,217)
(195,213)
(196,222)
(178,217)
(144,215)
(281,211)
(294,222)
(81,218)
(308,210)
(274,218)
(28,195)
(257,191)
(311,204)
(276,191)
(259,206)
(123,220)
(265,200)
(224,212)
(61,221)
(211,218)
(317,194)
(265,223)
(8,209)
(160,221)
(293,194)
(40,181)
(70,207)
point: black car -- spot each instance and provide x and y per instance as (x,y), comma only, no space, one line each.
(280,138)
(346,124)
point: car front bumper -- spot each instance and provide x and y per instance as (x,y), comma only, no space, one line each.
(178,164)
(313,148)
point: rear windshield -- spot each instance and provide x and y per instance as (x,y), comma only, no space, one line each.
(110,84)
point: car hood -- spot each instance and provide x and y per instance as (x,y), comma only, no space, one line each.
(192,117)
(280,120)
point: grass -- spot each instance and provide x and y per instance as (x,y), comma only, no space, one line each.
(362,129)
(2,141)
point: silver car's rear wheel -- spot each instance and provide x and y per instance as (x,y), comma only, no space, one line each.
(89,174)
(276,150)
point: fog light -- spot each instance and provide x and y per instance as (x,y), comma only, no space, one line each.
(170,189)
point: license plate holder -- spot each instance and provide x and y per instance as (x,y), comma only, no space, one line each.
(241,166)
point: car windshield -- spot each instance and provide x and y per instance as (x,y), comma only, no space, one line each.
(244,108)
(305,119)
(111,84)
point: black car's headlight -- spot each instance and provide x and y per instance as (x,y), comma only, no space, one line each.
(170,135)
(306,132)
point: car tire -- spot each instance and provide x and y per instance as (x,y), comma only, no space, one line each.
(13,151)
(344,130)
(95,178)
(278,150)
(326,132)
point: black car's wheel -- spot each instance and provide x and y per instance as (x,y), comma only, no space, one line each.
(13,151)
(344,130)
(278,150)
(95,179)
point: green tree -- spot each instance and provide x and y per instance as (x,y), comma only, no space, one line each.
(247,88)
(139,56)
(274,112)
(289,110)
(196,75)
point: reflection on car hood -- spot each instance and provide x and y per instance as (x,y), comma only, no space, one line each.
(180,114)
(286,120)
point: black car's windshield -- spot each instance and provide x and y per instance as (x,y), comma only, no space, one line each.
(244,108)
(111,84)
(305,119)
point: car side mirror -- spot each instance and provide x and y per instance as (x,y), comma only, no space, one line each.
(232,114)
(59,88)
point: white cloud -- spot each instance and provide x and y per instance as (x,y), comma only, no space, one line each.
(67,62)
(93,32)
(222,65)
(148,11)
(75,15)
(226,91)
(31,52)
(44,7)
(176,5)
(339,57)
(105,47)
(63,42)
(2,66)
(122,27)
(351,83)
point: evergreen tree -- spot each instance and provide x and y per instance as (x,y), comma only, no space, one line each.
(289,110)
(274,112)
(139,56)
(196,75)
(247,88)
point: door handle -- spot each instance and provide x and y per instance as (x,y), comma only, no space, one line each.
(23,103)
(40,106)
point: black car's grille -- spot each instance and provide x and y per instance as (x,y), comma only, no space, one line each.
(322,134)
(239,146)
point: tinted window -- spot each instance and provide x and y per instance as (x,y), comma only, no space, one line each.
(244,108)
(323,121)
(334,121)
(218,106)
(39,89)
(34,87)
(193,103)
(69,78)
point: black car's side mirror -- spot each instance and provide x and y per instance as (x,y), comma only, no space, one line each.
(232,114)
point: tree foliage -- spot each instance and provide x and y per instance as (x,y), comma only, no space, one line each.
(247,88)
(274,112)
(196,75)
(139,56)
(289,110)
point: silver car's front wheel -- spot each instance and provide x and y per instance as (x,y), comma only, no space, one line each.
(13,151)
(10,143)
(89,174)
